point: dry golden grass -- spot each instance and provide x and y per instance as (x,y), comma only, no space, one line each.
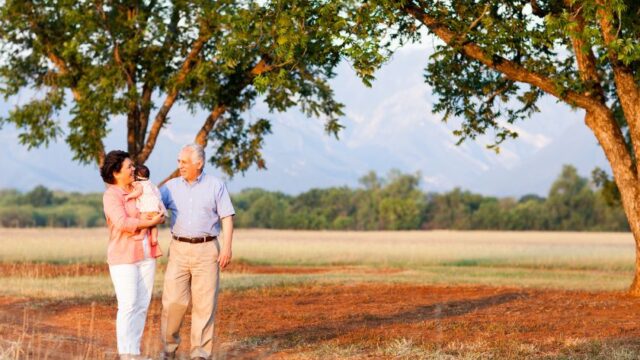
(597,251)
(419,248)
(588,261)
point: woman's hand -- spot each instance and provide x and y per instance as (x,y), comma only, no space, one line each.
(158,219)
(148,220)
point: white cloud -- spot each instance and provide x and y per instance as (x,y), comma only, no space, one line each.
(464,152)
(398,113)
(507,158)
(537,140)
(177,138)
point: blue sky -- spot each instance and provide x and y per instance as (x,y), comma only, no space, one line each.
(388,126)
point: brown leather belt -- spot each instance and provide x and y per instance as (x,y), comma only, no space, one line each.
(195,240)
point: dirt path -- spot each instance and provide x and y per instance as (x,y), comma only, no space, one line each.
(282,322)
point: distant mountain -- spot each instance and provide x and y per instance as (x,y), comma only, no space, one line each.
(52,167)
(387,126)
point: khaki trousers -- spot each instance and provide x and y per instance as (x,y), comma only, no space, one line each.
(191,276)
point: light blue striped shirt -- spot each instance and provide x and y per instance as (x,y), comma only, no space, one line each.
(196,209)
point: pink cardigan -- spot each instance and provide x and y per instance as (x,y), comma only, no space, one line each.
(125,245)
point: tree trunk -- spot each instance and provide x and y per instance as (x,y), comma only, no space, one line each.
(630,195)
(132,132)
(604,127)
(174,174)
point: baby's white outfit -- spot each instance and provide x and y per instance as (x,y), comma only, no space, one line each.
(150,200)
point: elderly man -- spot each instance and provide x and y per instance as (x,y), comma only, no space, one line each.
(199,204)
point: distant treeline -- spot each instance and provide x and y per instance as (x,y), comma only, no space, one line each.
(43,207)
(393,202)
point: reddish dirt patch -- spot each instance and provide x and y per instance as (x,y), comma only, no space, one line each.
(241,267)
(281,322)
(268,269)
(44,270)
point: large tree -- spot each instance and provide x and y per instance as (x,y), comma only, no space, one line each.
(80,64)
(495,59)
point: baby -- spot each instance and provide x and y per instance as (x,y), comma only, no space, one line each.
(148,198)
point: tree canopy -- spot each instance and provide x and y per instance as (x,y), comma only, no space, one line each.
(81,64)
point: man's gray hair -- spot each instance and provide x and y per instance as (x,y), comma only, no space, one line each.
(197,152)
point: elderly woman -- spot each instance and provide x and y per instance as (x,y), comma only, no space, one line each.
(130,254)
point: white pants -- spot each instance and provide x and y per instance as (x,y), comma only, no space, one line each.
(133,284)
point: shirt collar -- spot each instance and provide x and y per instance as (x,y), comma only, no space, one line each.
(197,179)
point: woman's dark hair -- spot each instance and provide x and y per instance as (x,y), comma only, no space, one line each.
(142,172)
(112,163)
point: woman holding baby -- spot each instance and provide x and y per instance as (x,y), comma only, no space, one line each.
(131,254)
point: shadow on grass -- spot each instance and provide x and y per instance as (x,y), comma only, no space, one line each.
(328,330)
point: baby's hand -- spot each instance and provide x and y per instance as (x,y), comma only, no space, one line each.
(135,193)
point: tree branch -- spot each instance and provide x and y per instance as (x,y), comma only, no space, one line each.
(589,75)
(63,70)
(587,68)
(498,92)
(133,113)
(202,137)
(474,24)
(510,69)
(128,71)
(626,87)
(145,111)
(161,116)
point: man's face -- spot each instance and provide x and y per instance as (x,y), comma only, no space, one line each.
(189,169)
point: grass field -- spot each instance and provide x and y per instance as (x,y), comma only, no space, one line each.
(589,261)
(595,251)
(303,264)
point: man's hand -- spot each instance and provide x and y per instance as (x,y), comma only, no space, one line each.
(224,258)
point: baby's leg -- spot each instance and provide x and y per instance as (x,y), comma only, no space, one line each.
(154,236)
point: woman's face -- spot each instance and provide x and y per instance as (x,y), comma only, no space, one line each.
(125,175)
